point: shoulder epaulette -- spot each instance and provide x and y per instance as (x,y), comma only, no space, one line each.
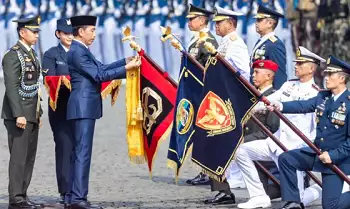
(15,47)
(294,79)
(273,39)
(233,37)
(316,87)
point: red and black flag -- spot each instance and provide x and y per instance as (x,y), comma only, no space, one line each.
(223,111)
(158,96)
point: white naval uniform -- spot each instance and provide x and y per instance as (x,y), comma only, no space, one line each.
(267,150)
(235,51)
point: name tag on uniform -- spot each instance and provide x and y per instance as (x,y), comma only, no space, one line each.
(60,63)
(286,94)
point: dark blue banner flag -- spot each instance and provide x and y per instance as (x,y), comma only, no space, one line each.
(187,101)
(223,111)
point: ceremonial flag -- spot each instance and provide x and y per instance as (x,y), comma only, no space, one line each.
(188,99)
(223,111)
(53,86)
(157,93)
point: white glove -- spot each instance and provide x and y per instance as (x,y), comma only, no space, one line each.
(275,105)
(258,108)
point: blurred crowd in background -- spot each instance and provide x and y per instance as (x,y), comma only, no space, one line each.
(319,25)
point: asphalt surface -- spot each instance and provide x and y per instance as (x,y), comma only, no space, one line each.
(114,181)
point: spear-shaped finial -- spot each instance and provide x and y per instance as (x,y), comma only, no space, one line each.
(128,37)
(203,36)
(167,35)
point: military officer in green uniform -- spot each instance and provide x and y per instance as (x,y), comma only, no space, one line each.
(21,110)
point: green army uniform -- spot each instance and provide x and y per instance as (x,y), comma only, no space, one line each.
(334,21)
(21,77)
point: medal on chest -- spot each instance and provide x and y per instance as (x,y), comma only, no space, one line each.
(338,116)
(194,51)
(260,53)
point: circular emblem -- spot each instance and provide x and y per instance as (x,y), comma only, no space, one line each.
(298,53)
(261,64)
(184,116)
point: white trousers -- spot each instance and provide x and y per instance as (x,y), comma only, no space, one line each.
(259,150)
(234,175)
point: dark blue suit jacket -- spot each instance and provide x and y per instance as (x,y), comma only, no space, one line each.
(333,127)
(87,74)
(273,49)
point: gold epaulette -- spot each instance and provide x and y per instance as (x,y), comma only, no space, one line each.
(273,39)
(233,37)
(15,47)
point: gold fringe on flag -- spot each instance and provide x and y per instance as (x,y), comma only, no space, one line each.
(66,82)
(53,101)
(112,89)
(134,117)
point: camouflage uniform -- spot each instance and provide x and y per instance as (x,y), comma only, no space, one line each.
(303,20)
(335,28)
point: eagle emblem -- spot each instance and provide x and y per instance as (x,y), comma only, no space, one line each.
(215,115)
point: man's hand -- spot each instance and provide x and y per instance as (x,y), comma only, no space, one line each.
(325,158)
(129,59)
(21,122)
(40,123)
(274,105)
(135,63)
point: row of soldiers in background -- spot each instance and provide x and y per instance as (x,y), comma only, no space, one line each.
(322,26)
(141,16)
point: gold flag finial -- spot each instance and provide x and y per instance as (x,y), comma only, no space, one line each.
(129,37)
(167,35)
(203,37)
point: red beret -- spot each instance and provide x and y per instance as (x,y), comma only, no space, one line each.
(266,64)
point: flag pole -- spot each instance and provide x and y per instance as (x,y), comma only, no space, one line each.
(270,134)
(135,46)
(167,35)
(245,82)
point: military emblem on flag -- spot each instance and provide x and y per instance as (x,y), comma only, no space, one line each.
(187,101)
(220,118)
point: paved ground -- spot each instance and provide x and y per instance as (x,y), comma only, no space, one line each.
(114,181)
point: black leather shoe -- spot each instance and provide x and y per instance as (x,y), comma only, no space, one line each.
(84,205)
(221,199)
(293,205)
(62,199)
(34,204)
(201,179)
(21,205)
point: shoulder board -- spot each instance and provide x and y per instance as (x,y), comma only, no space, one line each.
(233,37)
(295,79)
(273,39)
(316,87)
(15,47)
